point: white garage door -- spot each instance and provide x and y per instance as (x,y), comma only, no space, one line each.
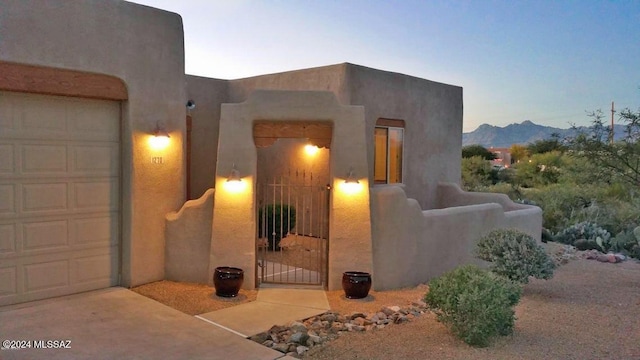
(59,196)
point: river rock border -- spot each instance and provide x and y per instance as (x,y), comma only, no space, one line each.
(297,337)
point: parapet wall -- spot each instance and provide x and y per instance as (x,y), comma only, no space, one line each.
(188,240)
(411,246)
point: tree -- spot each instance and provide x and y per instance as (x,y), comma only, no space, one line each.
(476,173)
(477,150)
(622,158)
(546,145)
(518,152)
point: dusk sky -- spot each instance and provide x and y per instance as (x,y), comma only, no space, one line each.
(550,62)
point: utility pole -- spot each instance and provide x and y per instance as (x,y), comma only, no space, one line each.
(612,112)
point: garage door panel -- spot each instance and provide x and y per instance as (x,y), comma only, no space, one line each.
(46,235)
(46,275)
(96,195)
(96,231)
(96,160)
(40,117)
(7,239)
(7,164)
(44,159)
(59,196)
(94,268)
(44,197)
(93,120)
(8,281)
(7,199)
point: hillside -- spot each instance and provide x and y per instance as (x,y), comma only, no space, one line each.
(523,133)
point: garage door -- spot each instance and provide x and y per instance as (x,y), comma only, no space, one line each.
(59,196)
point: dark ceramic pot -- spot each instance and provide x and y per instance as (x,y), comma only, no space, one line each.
(228,281)
(356,284)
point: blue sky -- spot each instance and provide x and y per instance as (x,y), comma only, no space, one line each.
(546,61)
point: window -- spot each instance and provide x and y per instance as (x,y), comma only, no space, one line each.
(389,139)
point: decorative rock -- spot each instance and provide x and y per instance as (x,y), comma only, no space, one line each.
(299,337)
(355,315)
(282,347)
(330,317)
(260,338)
(300,350)
(297,327)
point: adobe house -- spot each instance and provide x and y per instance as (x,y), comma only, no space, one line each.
(88,201)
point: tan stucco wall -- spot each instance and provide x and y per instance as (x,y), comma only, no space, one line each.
(143,47)
(411,246)
(188,240)
(208,95)
(433,118)
(233,234)
(526,218)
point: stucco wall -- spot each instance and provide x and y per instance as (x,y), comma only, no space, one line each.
(188,240)
(527,218)
(143,47)
(433,118)
(325,78)
(208,95)
(411,246)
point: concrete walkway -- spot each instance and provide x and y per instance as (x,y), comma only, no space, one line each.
(116,323)
(274,306)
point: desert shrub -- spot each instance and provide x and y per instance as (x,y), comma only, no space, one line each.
(627,242)
(585,236)
(274,222)
(475,304)
(515,255)
(560,203)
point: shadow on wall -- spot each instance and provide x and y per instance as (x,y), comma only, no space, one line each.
(412,246)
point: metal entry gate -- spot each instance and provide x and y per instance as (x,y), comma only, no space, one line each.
(293,228)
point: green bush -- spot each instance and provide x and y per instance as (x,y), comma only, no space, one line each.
(475,304)
(515,255)
(274,222)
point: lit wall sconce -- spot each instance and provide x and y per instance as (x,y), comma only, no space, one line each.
(234,182)
(160,138)
(351,185)
(310,149)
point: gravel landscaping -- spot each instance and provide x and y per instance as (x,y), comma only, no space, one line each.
(588,310)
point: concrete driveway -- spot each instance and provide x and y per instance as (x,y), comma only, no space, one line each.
(116,323)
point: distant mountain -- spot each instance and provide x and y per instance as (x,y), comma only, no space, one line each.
(523,133)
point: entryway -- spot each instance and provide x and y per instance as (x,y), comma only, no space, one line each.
(292,213)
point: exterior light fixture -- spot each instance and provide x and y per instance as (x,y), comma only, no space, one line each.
(351,185)
(311,149)
(234,182)
(160,138)
(351,179)
(234,175)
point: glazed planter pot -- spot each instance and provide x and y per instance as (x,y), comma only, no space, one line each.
(356,284)
(228,281)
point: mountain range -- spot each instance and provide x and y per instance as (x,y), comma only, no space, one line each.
(523,133)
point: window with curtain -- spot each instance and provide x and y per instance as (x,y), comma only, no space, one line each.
(389,140)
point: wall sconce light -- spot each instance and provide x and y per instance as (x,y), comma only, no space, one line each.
(160,138)
(234,182)
(351,185)
(351,179)
(310,149)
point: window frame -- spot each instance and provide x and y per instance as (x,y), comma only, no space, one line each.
(390,124)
